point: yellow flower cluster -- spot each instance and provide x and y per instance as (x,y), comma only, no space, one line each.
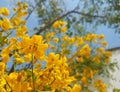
(61,25)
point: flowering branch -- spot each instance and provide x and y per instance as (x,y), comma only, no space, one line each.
(49,24)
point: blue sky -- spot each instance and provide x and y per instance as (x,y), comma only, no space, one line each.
(111,37)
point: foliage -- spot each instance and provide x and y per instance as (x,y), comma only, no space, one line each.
(57,61)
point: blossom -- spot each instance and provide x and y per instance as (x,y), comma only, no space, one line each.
(52,59)
(100,86)
(56,40)
(20,31)
(2,83)
(63,29)
(4,11)
(5,24)
(5,54)
(34,45)
(76,88)
(2,66)
(15,21)
(58,24)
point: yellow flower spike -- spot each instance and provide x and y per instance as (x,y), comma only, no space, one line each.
(5,24)
(4,11)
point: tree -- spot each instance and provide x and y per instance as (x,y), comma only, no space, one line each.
(72,61)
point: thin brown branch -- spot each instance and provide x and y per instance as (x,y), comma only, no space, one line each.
(49,24)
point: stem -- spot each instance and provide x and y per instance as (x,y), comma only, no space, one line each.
(33,73)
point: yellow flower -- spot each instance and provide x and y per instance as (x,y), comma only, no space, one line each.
(4,11)
(100,50)
(21,14)
(90,37)
(79,41)
(25,5)
(65,37)
(100,86)
(63,29)
(96,59)
(52,47)
(56,40)
(34,46)
(88,73)
(107,53)
(20,31)
(15,21)
(2,89)
(5,24)
(19,60)
(5,54)
(76,88)
(79,58)
(52,59)
(85,51)
(58,24)
(84,80)
(2,82)
(2,66)
(101,36)
(104,43)
(28,57)
(26,87)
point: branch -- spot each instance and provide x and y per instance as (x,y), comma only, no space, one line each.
(49,24)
